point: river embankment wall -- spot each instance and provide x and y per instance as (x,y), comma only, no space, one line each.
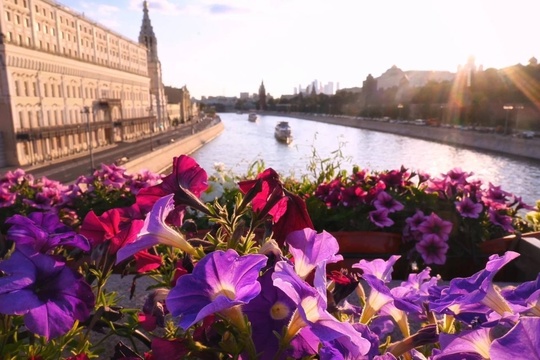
(161,159)
(503,144)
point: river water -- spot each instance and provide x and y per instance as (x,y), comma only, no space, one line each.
(243,142)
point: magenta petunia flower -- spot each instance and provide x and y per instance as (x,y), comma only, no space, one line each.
(432,249)
(155,231)
(385,201)
(434,225)
(220,280)
(501,220)
(380,218)
(468,208)
(117,226)
(187,181)
(50,295)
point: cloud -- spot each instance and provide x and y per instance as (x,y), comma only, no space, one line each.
(102,13)
(164,6)
(224,9)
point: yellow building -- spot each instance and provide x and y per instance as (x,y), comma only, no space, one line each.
(65,79)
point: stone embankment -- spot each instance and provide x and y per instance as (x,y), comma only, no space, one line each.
(161,159)
(508,145)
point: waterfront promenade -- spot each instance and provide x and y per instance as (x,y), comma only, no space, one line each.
(503,144)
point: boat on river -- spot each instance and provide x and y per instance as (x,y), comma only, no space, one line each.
(283,132)
(252,117)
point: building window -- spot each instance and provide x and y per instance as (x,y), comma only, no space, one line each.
(10,36)
(8,16)
(20,40)
(53,92)
(21,120)
(17,88)
(26,92)
(27,22)
(30,119)
(45,90)
(34,88)
(45,29)
(28,41)
(68,91)
(18,19)
(59,90)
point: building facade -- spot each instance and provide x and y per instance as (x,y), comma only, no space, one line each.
(68,84)
(180,108)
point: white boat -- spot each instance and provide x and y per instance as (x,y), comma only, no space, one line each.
(252,117)
(283,132)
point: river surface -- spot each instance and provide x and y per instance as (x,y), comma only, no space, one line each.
(243,142)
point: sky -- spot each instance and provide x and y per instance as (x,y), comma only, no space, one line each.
(225,47)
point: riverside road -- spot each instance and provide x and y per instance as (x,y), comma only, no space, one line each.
(68,171)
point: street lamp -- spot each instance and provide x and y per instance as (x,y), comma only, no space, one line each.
(400,106)
(442,113)
(517,107)
(508,108)
(151,114)
(86,110)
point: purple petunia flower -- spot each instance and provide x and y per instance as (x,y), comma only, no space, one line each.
(219,281)
(434,225)
(432,249)
(478,289)
(380,218)
(385,201)
(469,344)
(310,249)
(381,269)
(524,298)
(311,312)
(415,220)
(522,340)
(50,295)
(468,208)
(269,312)
(42,232)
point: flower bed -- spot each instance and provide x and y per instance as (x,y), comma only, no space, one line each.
(256,284)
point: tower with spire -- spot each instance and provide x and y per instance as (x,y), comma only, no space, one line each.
(158,101)
(262,97)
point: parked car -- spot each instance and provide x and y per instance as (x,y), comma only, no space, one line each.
(526,134)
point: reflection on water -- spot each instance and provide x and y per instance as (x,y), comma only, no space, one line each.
(243,142)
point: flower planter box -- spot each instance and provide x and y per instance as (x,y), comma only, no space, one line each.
(357,245)
(527,266)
